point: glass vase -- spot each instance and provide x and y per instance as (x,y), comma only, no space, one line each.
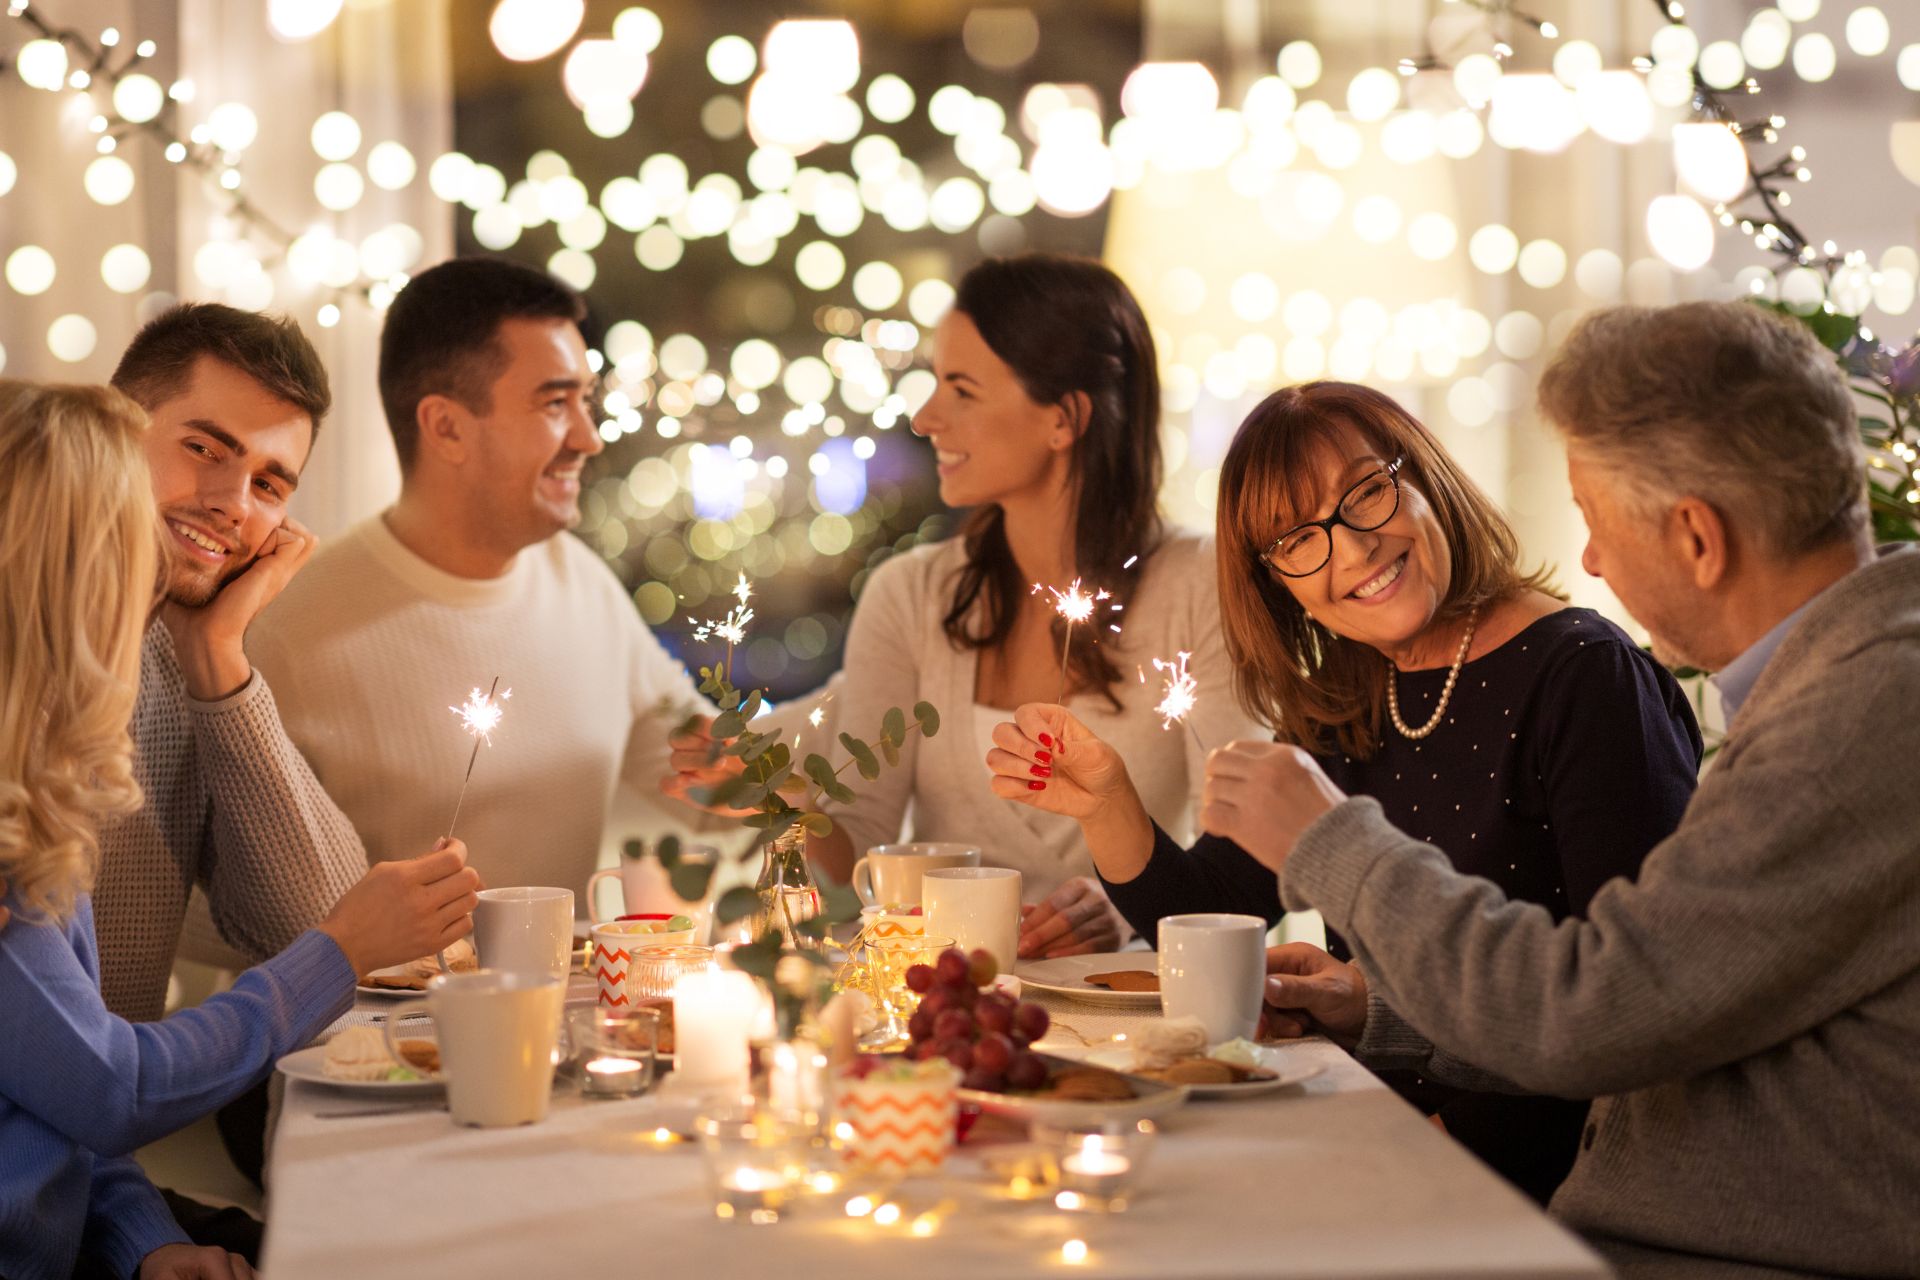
(786,889)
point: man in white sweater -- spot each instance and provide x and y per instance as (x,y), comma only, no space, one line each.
(471,576)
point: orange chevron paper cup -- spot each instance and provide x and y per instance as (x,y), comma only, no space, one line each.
(893,1122)
(879,922)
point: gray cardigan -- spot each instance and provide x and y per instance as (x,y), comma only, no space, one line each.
(1746,1012)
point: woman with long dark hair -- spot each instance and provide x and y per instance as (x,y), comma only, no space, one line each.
(1046,425)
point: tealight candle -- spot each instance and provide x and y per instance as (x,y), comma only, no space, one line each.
(713,1013)
(1097,1170)
(614,1077)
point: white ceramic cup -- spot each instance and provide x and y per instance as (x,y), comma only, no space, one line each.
(646,886)
(1214,967)
(893,871)
(525,930)
(497,1033)
(976,907)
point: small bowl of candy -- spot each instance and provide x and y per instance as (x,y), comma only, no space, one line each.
(656,929)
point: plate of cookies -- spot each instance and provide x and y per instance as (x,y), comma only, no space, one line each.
(411,978)
(1080,1093)
(356,1058)
(1175,1051)
(1117,979)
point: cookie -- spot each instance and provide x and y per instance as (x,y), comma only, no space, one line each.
(422,1055)
(1125,980)
(1087,1084)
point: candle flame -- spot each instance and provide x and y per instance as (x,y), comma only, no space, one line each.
(480,714)
(1180,693)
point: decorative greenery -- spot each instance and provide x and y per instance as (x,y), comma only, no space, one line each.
(767,786)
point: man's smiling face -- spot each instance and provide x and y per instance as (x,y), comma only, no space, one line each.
(225,456)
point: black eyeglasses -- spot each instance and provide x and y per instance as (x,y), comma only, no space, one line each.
(1305,549)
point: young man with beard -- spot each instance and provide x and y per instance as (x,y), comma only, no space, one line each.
(471,576)
(235,400)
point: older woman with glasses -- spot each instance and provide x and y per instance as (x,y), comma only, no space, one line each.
(1377,613)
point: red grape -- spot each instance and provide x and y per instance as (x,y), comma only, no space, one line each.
(953,1024)
(937,1001)
(920,1025)
(920,978)
(994,1012)
(1032,1020)
(1026,1071)
(981,967)
(952,967)
(986,1081)
(922,1051)
(1020,1041)
(958,1052)
(994,1052)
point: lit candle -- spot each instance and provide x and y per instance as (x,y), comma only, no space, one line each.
(1091,1160)
(713,1013)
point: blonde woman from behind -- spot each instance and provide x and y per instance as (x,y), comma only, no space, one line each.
(79,1088)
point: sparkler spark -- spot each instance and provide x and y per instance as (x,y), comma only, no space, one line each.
(1073,604)
(732,628)
(743,589)
(480,714)
(1180,692)
(815,716)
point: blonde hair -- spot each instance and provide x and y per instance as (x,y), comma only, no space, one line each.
(1310,683)
(77,572)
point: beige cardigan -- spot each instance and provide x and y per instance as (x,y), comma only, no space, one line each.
(898,653)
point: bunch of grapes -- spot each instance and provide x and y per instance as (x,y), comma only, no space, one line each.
(984,1034)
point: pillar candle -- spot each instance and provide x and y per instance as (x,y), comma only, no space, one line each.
(713,1012)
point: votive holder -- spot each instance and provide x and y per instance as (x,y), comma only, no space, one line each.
(1099,1166)
(754,1164)
(652,971)
(614,1050)
(888,960)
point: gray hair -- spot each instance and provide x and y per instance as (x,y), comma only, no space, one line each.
(1725,401)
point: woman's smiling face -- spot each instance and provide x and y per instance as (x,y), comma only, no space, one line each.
(990,438)
(1382,587)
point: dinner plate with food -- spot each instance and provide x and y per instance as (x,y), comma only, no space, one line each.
(1175,1051)
(1117,979)
(411,978)
(356,1059)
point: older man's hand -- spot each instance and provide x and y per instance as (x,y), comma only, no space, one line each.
(1263,795)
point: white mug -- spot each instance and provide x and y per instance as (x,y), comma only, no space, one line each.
(976,907)
(893,871)
(497,1033)
(1213,967)
(525,930)
(646,886)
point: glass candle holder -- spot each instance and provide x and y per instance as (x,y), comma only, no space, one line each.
(1099,1166)
(888,960)
(614,1049)
(753,1164)
(652,971)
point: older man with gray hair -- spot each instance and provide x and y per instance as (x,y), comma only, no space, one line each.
(1747,1011)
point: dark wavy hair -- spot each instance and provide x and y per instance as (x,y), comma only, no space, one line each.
(1067,325)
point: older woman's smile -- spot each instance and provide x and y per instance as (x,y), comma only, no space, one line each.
(1383,585)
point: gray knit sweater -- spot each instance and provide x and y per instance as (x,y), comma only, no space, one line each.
(231,806)
(1746,1012)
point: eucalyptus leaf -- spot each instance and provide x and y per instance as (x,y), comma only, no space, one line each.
(928,716)
(727,724)
(840,792)
(816,824)
(893,725)
(737,903)
(890,750)
(862,756)
(750,708)
(668,851)
(690,880)
(720,793)
(819,770)
(633,849)
(838,902)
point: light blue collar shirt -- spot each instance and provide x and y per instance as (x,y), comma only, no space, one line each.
(1736,680)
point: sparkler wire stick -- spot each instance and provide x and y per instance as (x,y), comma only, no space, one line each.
(479,716)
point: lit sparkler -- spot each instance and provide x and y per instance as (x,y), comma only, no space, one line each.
(1074,605)
(733,627)
(1179,694)
(479,716)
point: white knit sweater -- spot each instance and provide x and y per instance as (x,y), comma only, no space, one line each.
(369,647)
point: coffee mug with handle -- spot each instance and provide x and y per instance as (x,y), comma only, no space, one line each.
(525,929)
(497,1033)
(1213,967)
(890,873)
(978,907)
(646,886)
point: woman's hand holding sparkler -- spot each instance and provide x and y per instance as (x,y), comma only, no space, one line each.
(405,909)
(696,760)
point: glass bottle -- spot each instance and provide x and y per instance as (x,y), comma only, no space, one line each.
(787,892)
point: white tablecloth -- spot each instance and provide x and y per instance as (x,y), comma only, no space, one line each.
(1334,1178)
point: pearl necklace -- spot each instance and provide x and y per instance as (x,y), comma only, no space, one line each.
(1393,681)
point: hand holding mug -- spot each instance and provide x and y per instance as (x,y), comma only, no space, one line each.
(1309,991)
(406,909)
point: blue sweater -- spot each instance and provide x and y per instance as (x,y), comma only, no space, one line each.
(81,1089)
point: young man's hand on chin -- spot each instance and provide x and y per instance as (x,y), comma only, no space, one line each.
(207,638)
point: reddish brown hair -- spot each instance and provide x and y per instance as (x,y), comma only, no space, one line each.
(1314,687)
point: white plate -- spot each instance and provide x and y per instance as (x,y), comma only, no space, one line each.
(308,1065)
(1066,975)
(1154,1099)
(1272,1058)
